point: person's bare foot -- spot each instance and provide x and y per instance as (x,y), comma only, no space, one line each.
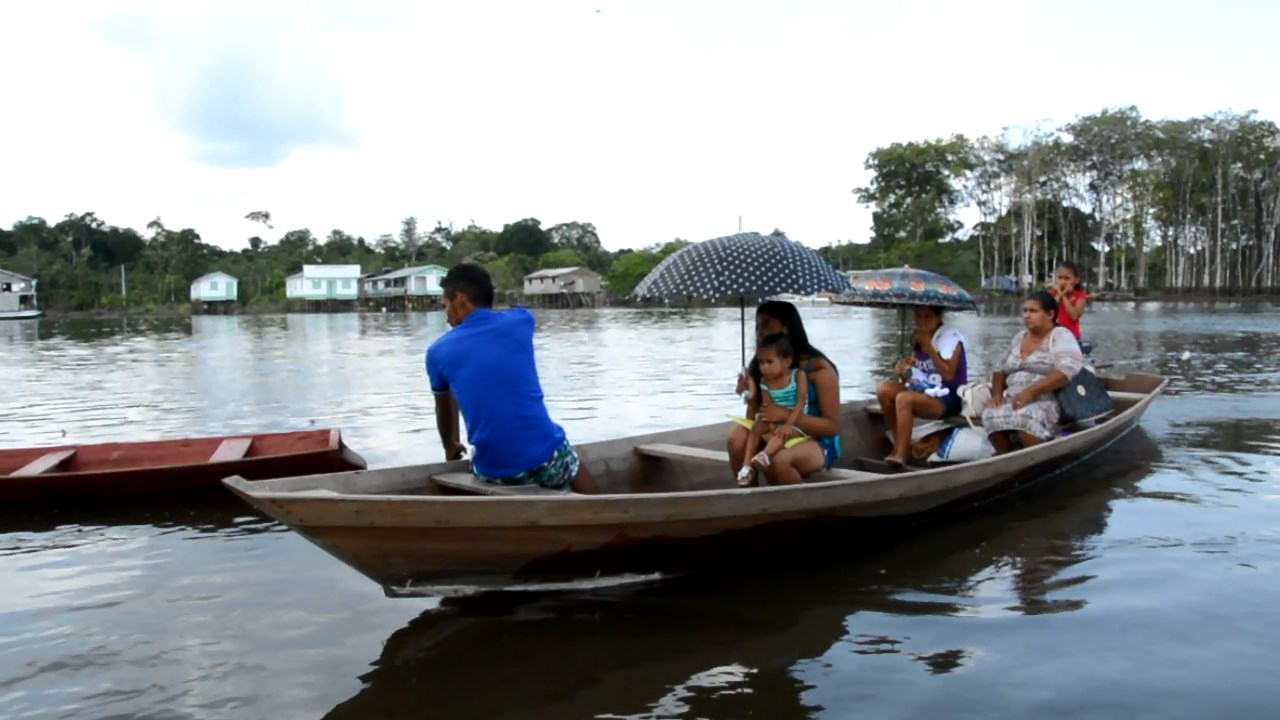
(895,461)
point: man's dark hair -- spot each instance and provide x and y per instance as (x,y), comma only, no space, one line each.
(470,280)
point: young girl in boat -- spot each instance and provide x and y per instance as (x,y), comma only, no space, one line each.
(779,383)
(1071,297)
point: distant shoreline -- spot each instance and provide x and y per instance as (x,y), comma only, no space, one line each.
(176,312)
(1148,296)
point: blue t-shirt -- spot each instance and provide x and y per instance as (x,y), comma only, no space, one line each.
(487,363)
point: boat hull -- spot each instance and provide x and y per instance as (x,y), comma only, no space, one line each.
(408,535)
(157,468)
(21,314)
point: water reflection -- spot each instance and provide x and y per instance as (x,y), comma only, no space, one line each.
(733,644)
(211,514)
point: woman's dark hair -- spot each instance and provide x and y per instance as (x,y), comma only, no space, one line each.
(937,312)
(780,344)
(1047,303)
(787,314)
(1075,270)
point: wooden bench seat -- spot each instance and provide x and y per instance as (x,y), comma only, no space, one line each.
(231,449)
(44,463)
(468,482)
(684,452)
(721,457)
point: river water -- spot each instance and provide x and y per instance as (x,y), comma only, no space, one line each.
(1145,586)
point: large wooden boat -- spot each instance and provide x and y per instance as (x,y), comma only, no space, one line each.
(418,529)
(110,470)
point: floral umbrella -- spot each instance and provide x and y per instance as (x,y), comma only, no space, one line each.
(743,265)
(896,287)
(903,287)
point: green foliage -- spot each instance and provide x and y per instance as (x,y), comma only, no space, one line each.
(630,266)
(564,257)
(915,189)
(1184,205)
(523,237)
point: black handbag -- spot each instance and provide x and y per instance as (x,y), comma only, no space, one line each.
(1084,397)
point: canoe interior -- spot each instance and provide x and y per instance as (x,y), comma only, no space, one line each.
(677,461)
(112,457)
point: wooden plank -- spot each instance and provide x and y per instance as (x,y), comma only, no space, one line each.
(683,452)
(231,449)
(469,483)
(44,463)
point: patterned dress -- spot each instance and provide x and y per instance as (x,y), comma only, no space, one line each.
(1060,351)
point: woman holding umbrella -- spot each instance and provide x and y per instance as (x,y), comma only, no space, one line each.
(821,417)
(938,366)
(751,265)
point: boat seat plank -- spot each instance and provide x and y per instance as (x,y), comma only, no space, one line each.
(468,482)
(231,449)
(683,452)
(44,463)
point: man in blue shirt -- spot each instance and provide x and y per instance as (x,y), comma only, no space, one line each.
(485,367)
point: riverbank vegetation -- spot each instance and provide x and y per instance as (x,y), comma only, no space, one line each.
(85,264)
(1170,206)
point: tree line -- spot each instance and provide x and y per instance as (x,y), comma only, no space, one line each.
(1177,206)
(79,259)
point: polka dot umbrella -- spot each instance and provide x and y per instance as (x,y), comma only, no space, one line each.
(742,265)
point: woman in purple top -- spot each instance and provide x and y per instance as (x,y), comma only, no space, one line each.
(935,371)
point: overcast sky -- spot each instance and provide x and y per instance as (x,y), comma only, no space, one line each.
(651,119)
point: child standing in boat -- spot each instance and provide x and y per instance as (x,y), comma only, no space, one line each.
(780,383)
(1071,297)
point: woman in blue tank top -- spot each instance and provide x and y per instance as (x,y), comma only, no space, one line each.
(821,417)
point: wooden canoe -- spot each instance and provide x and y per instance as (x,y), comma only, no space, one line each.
(416,529)
(109,470)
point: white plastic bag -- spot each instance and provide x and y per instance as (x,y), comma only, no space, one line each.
(962,445)
(921,429)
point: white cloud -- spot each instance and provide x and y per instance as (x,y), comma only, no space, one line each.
(652,120)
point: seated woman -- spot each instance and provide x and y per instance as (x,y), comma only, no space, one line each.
(821,417)
(1040,361)
(939,365)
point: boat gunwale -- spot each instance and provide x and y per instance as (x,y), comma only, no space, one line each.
(816,493)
